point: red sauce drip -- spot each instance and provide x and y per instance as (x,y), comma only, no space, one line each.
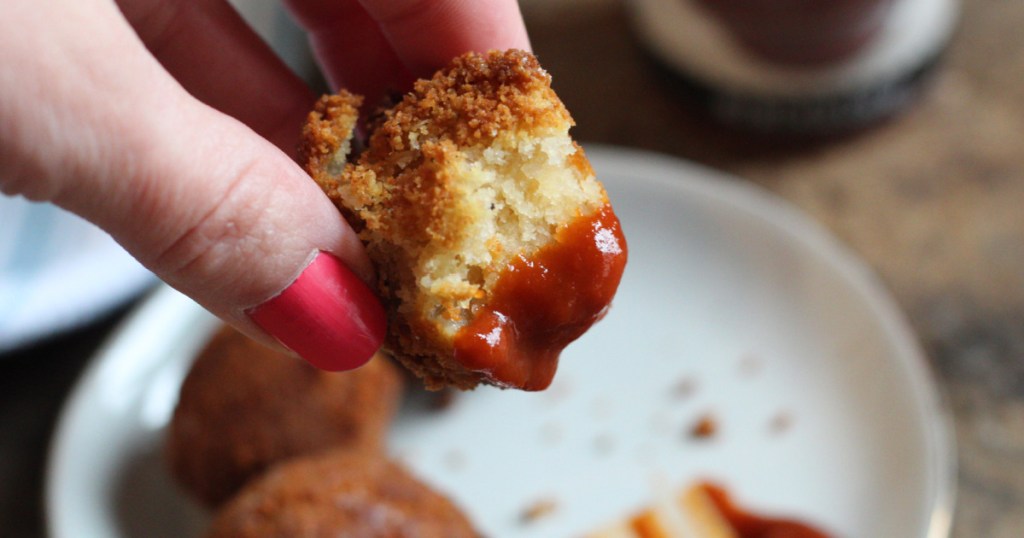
(542,303)
(748,525)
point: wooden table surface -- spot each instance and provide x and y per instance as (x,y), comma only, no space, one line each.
(932,200)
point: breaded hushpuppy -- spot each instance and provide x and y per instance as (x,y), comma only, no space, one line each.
(244,407)
(494,243)
(340,493)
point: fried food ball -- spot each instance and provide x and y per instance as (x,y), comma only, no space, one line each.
(340,493)
(494,243)
(244,407)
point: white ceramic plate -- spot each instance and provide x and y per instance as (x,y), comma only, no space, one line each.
(728,290)
(57,272)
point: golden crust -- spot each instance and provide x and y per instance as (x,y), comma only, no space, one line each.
(340,493)
(469,103)
(327,137)
(409,194)
(244,407)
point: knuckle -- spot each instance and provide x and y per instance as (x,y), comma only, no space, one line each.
(210,249)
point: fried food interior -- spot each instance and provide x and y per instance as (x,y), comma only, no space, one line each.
(470,172)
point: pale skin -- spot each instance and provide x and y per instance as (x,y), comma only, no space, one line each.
(170,125)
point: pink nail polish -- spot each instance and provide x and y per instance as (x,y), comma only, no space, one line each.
(328,316)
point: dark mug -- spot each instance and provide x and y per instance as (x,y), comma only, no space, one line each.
(800,31)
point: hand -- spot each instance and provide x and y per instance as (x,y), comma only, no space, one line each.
(182,151)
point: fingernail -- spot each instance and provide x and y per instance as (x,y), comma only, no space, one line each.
(328,316)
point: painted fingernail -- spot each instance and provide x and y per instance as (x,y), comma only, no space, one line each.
(328,316)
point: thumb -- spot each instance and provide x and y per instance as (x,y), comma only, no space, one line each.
(230,220)
(201,200)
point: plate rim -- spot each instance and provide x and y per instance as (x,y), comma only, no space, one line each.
(682,176)
(752,199)
(121,280)
(159,300)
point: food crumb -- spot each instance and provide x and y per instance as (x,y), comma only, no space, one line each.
(684,388)
(705,427)
(537,510)
(780,423)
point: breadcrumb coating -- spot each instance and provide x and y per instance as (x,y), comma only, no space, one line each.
(340,493)
(244,407)
(472,170)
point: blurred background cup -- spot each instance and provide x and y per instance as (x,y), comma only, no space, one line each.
(805,67)
(801,31)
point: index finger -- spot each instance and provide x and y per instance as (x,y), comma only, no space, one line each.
(427,34)
(394,38)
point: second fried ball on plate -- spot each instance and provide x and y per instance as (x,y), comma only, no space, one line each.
(340,493)
(244,407)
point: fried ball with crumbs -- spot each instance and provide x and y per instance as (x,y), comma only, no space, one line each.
(494,243)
